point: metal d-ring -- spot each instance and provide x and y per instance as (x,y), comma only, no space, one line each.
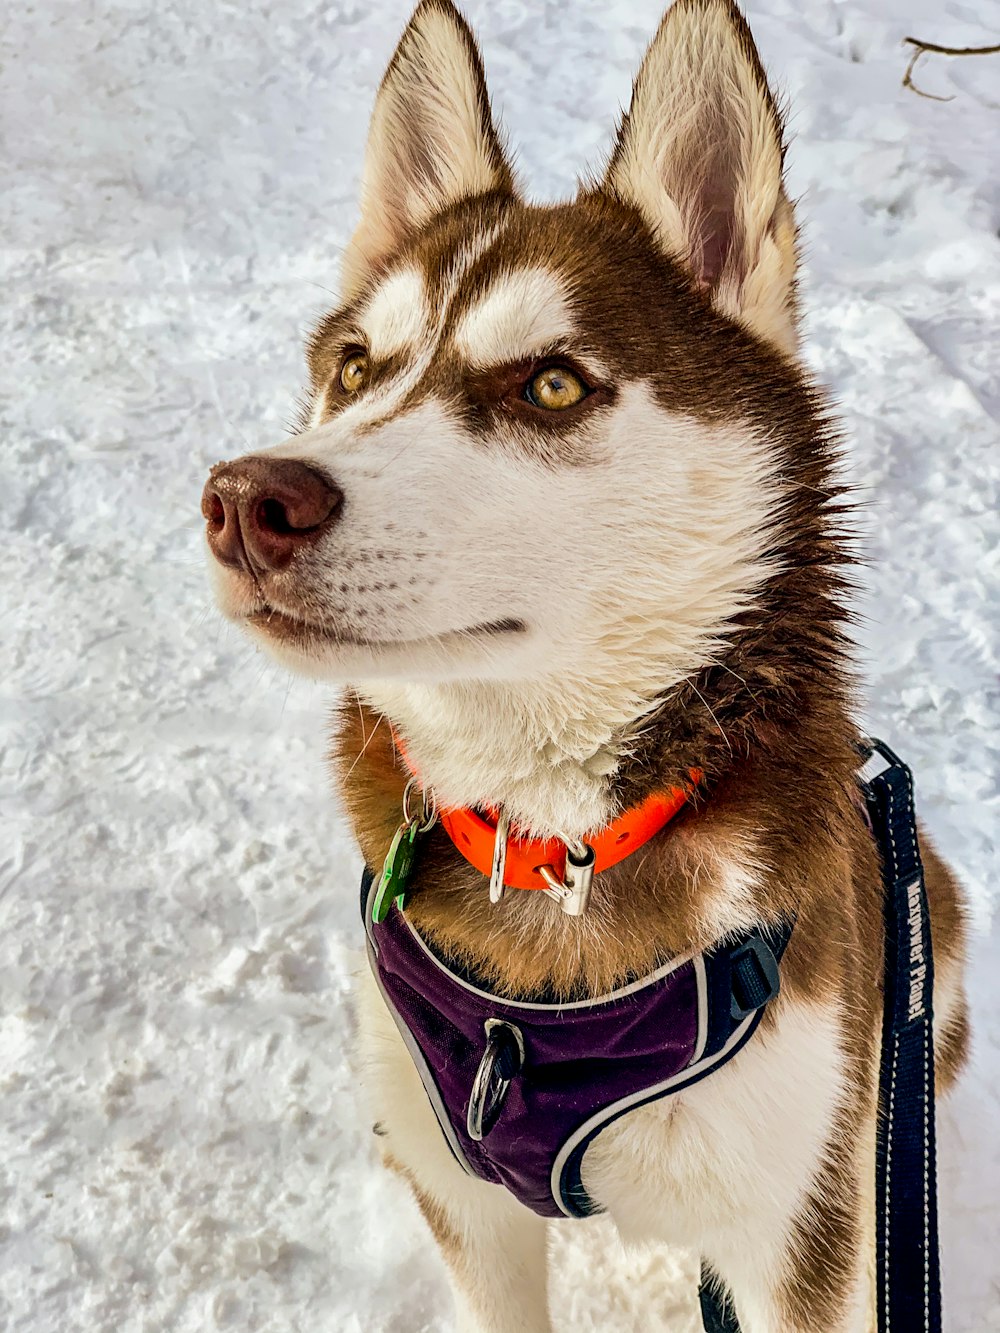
(498,869)
(576,847)
(429,810)
(501,1063)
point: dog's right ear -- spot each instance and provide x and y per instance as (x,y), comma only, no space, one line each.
(432,140)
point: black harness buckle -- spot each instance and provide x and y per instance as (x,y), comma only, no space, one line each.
(755,977)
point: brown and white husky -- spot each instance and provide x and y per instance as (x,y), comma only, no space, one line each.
(564,514)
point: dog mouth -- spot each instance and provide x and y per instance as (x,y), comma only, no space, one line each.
(284,628)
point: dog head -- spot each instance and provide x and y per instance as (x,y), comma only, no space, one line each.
(543,442)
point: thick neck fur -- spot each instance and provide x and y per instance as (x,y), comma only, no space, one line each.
(772,831)
(565,754)
(547,753)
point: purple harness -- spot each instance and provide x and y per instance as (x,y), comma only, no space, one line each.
(521,1089)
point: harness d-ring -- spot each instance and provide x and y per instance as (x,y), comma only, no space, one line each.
(500,1065)
(428,812)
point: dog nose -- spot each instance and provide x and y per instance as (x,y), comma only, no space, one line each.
(260,511)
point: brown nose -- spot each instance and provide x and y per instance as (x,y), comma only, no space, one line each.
(260,511)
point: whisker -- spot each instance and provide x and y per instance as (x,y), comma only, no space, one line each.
(368,740)
(718,724)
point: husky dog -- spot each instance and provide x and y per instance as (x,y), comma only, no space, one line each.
(564,515)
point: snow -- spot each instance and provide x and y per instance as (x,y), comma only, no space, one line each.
(180,1143)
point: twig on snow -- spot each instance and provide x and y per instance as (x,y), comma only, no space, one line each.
(922,47)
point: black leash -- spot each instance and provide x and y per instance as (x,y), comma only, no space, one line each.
(909,1279)
(717,1312)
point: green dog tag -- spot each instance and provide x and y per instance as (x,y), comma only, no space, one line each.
(396,871)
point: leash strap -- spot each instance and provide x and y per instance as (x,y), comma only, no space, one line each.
(717,1313)
(909,1280)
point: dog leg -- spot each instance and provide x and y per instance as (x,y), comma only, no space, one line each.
(494,1247)
(498,1277)
(760,1169)
(801,1300)
(823,1282)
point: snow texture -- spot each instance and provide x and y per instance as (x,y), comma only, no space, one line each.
(180,1144)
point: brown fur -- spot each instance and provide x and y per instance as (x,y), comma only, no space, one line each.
(640,313)
(829,1235)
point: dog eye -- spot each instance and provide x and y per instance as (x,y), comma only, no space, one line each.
(555,389)
(354,372)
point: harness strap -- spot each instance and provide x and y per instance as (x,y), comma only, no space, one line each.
(717,1312)
(909,1281)
(741,979)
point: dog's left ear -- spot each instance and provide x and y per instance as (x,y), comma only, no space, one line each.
(700,154)
(432,140)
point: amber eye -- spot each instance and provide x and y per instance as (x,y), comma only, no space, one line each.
(555,388)
(354,372)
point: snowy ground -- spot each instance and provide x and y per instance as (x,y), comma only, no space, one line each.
(179,1143)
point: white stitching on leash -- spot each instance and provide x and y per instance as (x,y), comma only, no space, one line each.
(892,1104)
(888,1182)
(928,1093)
(892,1096)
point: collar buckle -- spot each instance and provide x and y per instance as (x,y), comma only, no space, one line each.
(572,893)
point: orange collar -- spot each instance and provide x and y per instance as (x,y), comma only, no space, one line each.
(474,835)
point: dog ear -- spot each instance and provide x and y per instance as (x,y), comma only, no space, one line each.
(700,154)
(432,140)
